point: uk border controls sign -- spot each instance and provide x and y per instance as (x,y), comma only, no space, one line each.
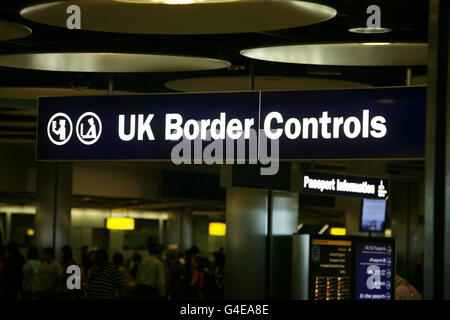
(380,123)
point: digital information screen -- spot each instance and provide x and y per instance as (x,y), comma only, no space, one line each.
(330,269)
(374,271)
(351,267)
(373,215)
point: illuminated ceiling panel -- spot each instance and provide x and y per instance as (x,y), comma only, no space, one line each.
(109,62)
(182,16)
(344,54)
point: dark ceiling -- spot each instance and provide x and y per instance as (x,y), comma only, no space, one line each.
(409,23)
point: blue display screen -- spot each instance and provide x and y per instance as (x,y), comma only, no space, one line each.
(373,216)
(374,271)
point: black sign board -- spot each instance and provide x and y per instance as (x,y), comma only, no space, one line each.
(336,184)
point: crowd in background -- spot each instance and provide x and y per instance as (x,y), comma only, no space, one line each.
(163,274)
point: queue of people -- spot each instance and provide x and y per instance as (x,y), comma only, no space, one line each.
(29,278)
(163,274)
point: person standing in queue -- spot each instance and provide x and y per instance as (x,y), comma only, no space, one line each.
(105,281)
(150,277)
(67,257)
(190,254)
(128,281)
(136,258)
(51,273)
(87,269)
(11,277)
(32,274)
(404,290)
(67,260)
(177,274)
(219,274)
(202,280)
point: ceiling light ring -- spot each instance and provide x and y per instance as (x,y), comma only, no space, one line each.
(152,19)
(362,53)
(110,62)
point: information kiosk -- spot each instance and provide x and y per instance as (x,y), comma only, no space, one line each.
(343,268)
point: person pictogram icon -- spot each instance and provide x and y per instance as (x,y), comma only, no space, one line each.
(88,128)
(381,190)
(59,129)
(61,132)
(92,131)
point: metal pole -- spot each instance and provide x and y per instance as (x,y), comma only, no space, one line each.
(408,76)
(252,75)
(111,84)
(8,226)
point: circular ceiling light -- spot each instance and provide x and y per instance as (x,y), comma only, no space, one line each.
(175,2)
(182,16)
(371,17)
(11,30)
(109,62)
(345,54)
(241,83)
(376,43)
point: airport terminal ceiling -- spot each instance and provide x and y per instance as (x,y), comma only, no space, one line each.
(410,26)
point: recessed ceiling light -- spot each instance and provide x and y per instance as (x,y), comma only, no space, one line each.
(376,43)
(182,16)
(371,30)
